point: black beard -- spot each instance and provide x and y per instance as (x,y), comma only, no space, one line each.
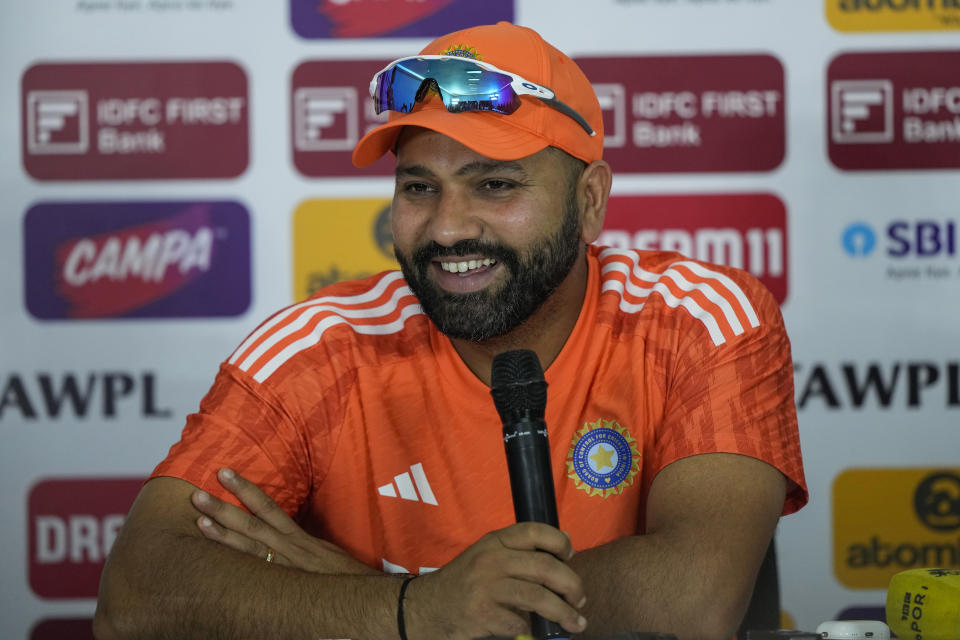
(481,315)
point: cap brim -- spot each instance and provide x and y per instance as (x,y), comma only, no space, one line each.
(489,134)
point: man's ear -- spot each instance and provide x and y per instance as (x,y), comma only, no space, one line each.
(593,191)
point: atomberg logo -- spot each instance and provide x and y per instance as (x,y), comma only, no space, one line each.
(72,523)
(393,18)
(891,520)
(747,231)
(937,502)
(137,259)
(906,250)
(893,15)
(337,240)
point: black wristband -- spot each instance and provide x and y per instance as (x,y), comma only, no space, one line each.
(401,627)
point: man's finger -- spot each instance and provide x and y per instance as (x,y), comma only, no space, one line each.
(542,568)
(528,596)
(254,499)
(233,518)
(210,529)
(529,536)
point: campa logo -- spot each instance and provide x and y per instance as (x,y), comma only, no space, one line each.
(137,259)
(893,15)
(889,520)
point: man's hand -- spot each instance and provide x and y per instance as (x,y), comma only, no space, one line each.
(268,528)
(487,589)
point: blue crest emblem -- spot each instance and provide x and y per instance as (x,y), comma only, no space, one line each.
(603,458)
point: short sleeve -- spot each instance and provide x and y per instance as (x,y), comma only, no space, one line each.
(241,426)
(735,397)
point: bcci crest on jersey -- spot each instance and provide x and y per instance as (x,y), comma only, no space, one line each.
(603,458)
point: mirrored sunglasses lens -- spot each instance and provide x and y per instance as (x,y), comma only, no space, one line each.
(463,86)
(396,91)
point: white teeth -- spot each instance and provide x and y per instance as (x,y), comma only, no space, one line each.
(466,265)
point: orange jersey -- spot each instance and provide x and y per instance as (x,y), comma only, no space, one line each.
(353,412)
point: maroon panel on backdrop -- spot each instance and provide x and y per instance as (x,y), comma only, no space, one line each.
(894,110)
(743,230)
(126,121)
(330,111)
(71,524)
(62,629)
(690,113)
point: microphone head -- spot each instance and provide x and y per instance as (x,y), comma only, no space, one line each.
(925,603)
(517,385)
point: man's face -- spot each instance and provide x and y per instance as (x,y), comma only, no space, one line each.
(482,243)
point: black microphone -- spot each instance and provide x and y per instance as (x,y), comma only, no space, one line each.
(520,394)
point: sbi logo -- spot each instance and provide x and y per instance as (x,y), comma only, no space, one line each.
(920,238)
(859,239)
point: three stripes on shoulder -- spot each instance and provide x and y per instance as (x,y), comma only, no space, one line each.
(709,296)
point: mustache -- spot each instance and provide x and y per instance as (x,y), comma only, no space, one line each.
(425,254)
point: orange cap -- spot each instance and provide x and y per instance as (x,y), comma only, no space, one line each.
(532,127)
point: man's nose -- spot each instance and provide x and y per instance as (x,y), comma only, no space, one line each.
(453,220)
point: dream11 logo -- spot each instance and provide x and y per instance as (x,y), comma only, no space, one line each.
(746,231)
(72,523)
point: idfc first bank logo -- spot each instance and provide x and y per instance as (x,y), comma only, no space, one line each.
(123,121)
(330,111)
(137,259)
(894,110)
(690,113)
(393,18)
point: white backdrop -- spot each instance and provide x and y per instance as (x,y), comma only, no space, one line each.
(845,313)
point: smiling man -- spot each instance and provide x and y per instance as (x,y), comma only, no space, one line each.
(358,430)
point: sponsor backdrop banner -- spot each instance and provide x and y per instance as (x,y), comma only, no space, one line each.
(177,170)
(690,113)
(136,259)
(127,120)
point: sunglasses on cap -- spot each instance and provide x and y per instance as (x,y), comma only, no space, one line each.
(463,85)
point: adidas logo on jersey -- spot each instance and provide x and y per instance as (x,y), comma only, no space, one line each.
(389,567)
(403,484)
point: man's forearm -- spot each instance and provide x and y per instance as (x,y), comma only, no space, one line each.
(203,590)
(663,590)
(710,520)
